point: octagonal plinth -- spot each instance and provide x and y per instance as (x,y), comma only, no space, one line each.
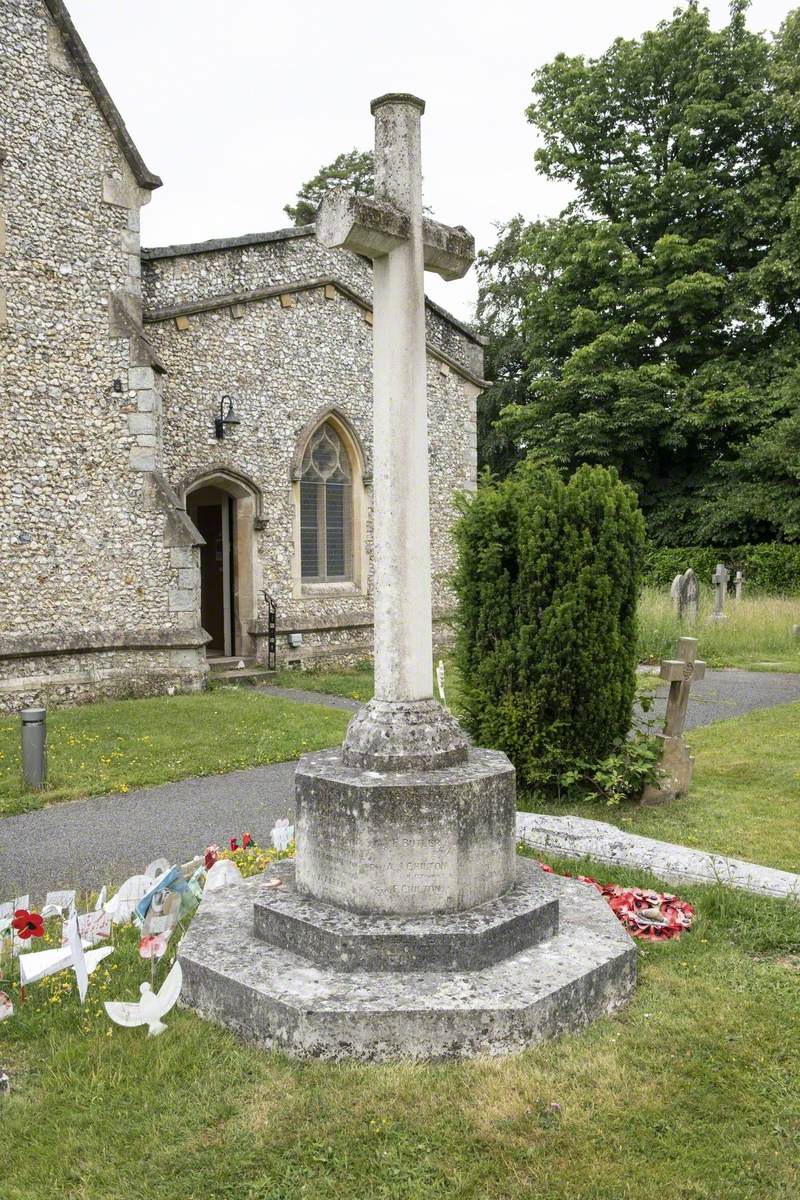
(409,842)
(333,937)
(280,1000)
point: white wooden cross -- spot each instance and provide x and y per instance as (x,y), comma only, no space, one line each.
(390,229)
(680,673)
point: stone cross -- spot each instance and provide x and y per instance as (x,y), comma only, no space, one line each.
(390,229)
(680,673)
(739,582)
(720,582)
(676,762)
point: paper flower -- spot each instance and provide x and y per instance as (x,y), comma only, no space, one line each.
(153,945)
(210,857)
(27,924)
(247,841)
(234,844)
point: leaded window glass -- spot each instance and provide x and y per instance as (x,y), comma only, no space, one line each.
(325,509)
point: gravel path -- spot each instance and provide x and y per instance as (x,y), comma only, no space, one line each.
(724,694)
(62,846)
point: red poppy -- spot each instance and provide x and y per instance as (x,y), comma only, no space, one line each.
(234,844)
(27,924)
(653,916)
(247,841)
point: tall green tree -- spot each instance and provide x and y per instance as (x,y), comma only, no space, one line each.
(354,171)
(655,324)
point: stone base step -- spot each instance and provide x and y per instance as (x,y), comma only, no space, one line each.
(248,675)
(281,1000)
(218,665)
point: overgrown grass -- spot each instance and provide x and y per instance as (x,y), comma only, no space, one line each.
(745,795)
(124,744)
(756,634)
(691,1093)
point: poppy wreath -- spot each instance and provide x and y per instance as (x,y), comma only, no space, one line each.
(27,924)
(653,916)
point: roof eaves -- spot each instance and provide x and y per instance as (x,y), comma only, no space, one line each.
(231,243)
(91,77)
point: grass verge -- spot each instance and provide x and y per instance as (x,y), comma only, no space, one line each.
(115,746)
(692,1092)
(745,794)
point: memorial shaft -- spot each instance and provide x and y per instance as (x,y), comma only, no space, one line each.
(402,557)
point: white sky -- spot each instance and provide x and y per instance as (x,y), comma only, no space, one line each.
(236,104)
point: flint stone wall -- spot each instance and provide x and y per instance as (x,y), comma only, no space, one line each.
(81,545)
(286,358)
(103,419)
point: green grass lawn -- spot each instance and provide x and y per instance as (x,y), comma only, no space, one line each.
(356,683)
(118,745)
(745,795)
(692,1092)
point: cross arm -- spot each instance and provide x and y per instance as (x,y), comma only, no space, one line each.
(374,228)
(360,224)
(675,669)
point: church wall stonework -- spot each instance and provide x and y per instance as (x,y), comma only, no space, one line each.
(80,547)
(284,359)
(114,360)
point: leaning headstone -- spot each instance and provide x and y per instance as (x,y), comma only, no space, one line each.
(685,593)
(676,762)
(739,584)
(691,595)
(720,581)
(406,925)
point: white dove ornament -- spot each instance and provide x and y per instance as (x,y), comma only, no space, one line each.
(152,1006)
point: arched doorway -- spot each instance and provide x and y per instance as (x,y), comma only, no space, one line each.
(225,508)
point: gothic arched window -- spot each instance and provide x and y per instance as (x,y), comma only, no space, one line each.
(326,509)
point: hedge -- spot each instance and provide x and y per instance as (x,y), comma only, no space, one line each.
(547,586)
(773,567)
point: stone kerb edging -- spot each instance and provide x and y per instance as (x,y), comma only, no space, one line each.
(578,837)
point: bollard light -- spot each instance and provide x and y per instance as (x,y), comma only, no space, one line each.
(34,747)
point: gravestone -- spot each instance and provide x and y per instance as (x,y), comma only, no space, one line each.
(407,924)
(739,584)
(720,582)
(691,595)
(685,592)
(676,762)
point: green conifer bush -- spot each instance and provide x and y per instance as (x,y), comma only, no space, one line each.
(547,585)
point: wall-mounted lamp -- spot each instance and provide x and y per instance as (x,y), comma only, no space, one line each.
(225,418)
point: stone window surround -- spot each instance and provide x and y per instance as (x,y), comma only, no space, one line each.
(359,499)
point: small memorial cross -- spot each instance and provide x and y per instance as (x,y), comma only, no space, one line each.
(676,762)
(720,582)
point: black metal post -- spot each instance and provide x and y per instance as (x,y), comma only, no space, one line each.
(272,632)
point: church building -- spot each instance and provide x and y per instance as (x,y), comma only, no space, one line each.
(186,467)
